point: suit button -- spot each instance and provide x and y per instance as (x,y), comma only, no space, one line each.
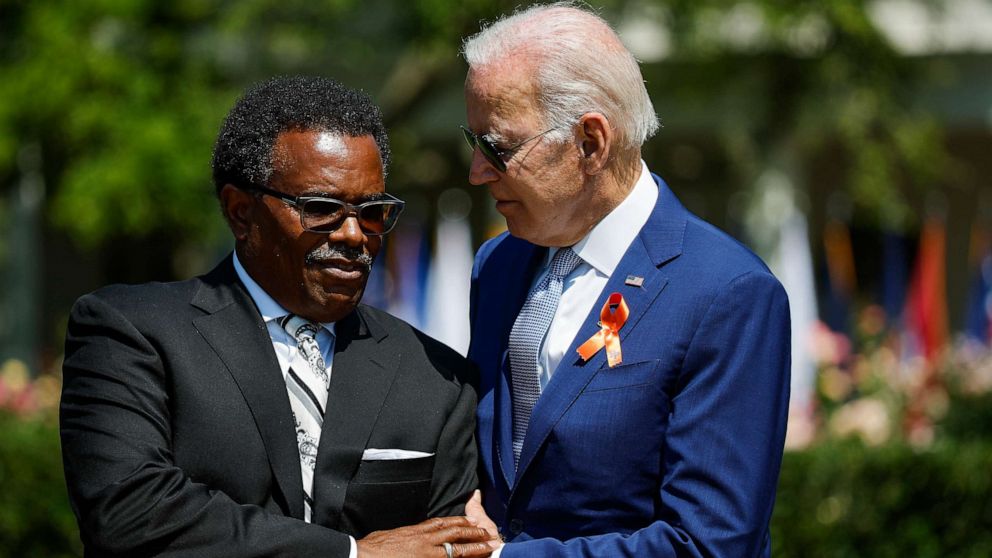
(516,526)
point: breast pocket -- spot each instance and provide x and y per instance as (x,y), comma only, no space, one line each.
(616,424)
(635,374)
(379,471)
(389,493)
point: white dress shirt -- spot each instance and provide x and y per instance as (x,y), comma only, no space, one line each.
(283,344)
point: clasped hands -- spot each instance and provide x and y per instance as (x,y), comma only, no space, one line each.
(469,536)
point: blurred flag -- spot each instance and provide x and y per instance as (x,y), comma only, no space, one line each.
(979,315)
(409,259)
(448,284)
(895,276)
(793,265)
(925,316)
(841,277)
(377,288)
(778,230)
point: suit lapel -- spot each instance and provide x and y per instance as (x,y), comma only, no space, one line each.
(529,259)
(503,421)
(237,334)
(659,241)
(361,376)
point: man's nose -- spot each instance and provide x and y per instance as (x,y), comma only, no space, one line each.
(481,171)
(349,232)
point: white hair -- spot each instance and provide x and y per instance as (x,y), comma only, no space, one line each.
(581,66)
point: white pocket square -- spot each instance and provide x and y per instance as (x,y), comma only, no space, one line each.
(373,454)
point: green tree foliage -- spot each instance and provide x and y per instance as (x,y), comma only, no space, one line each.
(35,518)
(803,77)
(122,109)
(124,97)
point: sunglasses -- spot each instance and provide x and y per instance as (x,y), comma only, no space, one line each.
(497,157)
(325,215)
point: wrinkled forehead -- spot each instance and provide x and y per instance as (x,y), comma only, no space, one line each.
(501,93)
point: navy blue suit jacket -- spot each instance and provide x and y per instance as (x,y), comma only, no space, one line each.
(674,452)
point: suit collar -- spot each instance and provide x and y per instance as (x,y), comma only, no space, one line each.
(267,306)
(664,233)
(362,323)
(219,288)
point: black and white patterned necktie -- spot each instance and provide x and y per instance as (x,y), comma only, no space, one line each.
(307,383)
(526,337)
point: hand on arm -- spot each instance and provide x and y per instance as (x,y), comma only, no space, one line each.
(426,539)
(477,515)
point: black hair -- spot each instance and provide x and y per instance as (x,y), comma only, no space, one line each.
(243,152)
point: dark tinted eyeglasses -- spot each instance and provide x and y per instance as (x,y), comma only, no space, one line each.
(325,215)
(497,157)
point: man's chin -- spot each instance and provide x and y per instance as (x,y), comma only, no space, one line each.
(333,308)
(516,227)
(524,231)
(332,301)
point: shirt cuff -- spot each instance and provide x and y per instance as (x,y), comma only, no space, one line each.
(353,553)
(496,553)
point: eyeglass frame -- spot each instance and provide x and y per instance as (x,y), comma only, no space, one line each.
(495,156)
(297,203)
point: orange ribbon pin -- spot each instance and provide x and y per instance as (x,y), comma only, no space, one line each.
(611,319)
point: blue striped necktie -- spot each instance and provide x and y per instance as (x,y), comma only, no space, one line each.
(307,382)
(526,337)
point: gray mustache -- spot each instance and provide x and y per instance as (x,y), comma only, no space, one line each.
(355,256)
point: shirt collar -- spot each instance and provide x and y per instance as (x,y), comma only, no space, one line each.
(267,306)
(604,246)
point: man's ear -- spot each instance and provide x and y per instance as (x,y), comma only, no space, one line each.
(596,136)
(237,206)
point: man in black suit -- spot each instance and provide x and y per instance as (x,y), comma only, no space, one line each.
(260,410)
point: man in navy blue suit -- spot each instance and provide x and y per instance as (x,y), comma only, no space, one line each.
(634,358)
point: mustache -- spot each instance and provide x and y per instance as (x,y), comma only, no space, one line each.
(355,256)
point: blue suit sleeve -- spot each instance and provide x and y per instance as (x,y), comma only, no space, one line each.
(724,441)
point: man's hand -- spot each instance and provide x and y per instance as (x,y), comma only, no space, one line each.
(426,539)
(477,514)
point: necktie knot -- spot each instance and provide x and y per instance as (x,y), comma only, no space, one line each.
(564,261)
(299,328)
(305,334)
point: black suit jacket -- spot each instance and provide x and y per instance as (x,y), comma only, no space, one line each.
(178,438)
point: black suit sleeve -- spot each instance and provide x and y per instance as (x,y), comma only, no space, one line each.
(128,494)
(455,462)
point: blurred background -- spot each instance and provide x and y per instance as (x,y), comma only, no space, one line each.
(848,142)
